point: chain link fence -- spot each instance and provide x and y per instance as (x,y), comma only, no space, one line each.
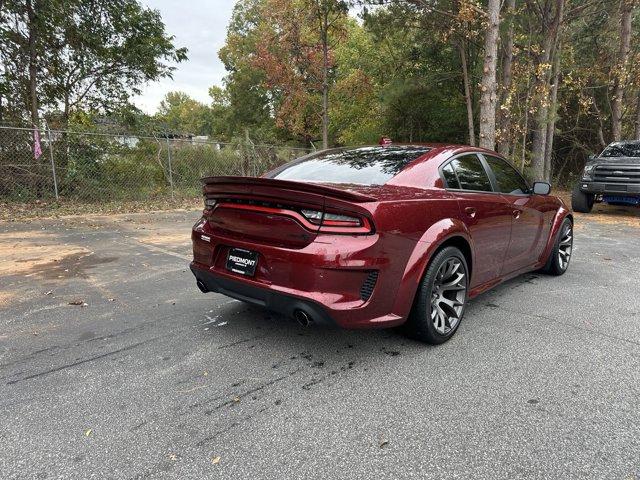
(97,167)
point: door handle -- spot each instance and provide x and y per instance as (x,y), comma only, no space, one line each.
(471,211)
(516,214)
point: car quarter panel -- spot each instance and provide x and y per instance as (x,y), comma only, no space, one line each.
(436,235)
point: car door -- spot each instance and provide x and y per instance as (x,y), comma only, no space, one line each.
(527,218)
(486,213)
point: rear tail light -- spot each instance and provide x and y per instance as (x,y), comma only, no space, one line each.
(324,222)
(337,223)
(314,216)
(341,220)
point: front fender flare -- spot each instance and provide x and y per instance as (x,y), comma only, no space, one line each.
(561,214)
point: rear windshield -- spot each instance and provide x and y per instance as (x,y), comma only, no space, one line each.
(364,166)
(622,150)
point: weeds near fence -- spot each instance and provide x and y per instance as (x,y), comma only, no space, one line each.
(90,168)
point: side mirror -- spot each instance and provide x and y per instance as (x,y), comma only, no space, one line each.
(541,188)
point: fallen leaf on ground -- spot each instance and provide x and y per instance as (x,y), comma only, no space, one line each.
(111,299)
(87,433)
(80,303)
(192,389)
(236,399)
(384,443)
(49,292)
(215,460)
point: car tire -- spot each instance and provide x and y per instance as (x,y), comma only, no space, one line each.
(580,201)
(561,253)
(442,284)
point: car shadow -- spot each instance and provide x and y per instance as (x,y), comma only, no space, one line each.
(237,323)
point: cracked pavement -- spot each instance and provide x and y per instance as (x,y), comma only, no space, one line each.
(146,377)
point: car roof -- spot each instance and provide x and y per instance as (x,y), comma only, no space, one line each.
(430,145)
(625,142)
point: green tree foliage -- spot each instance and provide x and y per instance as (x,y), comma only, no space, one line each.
(180,113)
(247,99)
(415,70)
(79,54)
(296,56)
(412,70)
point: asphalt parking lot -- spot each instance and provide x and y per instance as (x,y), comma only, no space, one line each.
(114,365)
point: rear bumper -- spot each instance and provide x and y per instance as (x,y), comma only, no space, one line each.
(330,279)
(273,300)
(599,188)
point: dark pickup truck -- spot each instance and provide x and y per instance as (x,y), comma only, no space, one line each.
(613,177)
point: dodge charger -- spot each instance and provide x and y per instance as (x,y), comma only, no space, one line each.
(379,236)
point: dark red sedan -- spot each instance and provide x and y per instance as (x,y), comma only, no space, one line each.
(378,236)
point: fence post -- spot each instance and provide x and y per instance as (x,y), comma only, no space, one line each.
(53,163)
(166,136)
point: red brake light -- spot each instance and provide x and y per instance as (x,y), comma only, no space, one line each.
(337,222)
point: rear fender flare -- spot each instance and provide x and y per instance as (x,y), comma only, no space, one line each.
(428,244)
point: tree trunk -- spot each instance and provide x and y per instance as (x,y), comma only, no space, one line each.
(620,73)
(488,86)
(325,80)
(32,29)
(637,136)
(600,126)
(504,116)
(539,144)
(553,115)
(467,93)
(33,65)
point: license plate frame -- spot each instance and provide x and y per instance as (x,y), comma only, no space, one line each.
(242,261)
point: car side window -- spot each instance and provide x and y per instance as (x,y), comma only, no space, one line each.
(471,173)
(450,176)
(507,177)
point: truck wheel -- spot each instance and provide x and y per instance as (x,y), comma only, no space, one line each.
(580,201)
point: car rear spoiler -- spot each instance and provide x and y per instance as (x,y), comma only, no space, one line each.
(228,184)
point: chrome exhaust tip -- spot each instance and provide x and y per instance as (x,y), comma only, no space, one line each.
(302,318)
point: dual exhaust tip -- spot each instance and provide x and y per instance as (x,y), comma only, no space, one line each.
(300,316)
(203,288)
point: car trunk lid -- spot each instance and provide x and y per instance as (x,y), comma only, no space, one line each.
(269,211)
